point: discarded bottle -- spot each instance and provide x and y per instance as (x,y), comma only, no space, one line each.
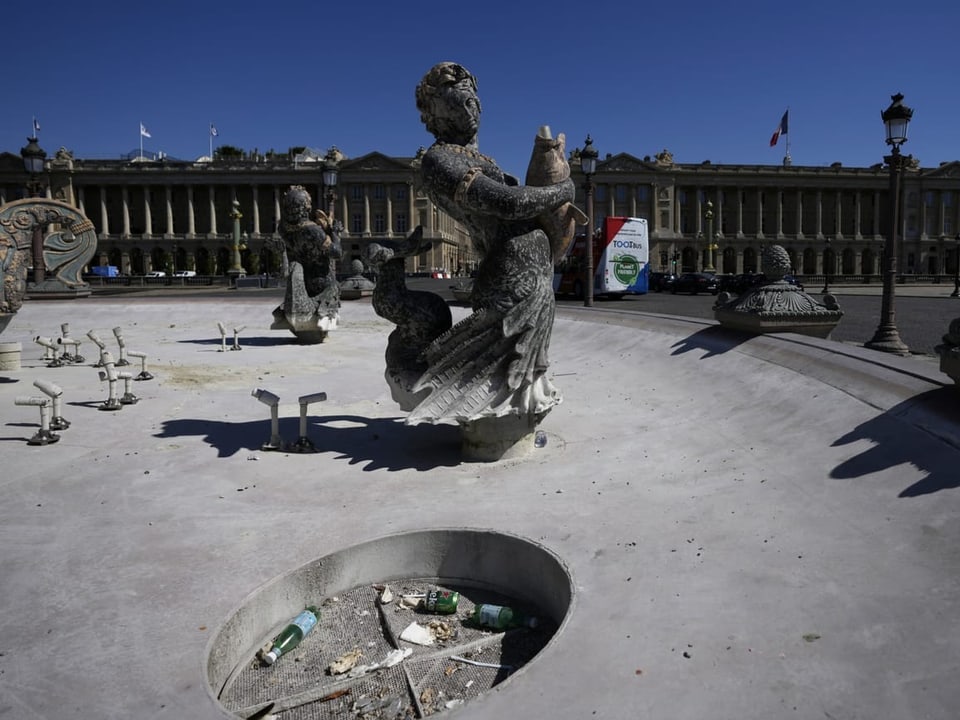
(440,601)
(292,634)
(500,617)
(540,439)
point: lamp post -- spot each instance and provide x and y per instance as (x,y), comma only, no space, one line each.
(711,248)
(331,174)
(33,156)
(956,267)
(827,262)
(588,164)
(896,118)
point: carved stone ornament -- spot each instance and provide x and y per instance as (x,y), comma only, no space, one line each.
(66,251)
(778,306)
(665,158)
(487,373)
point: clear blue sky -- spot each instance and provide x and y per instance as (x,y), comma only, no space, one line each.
(706,80)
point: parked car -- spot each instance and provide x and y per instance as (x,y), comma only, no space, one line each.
(185,273)
(660,281)
(695,282)
(746,281)
(156,273)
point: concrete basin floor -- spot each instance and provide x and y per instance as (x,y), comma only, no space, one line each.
(755,527)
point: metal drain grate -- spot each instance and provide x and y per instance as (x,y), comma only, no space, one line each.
(427,682)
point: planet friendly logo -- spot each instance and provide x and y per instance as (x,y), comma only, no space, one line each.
(626,268)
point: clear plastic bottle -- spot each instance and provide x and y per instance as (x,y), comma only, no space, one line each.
(500,617)
(292,634)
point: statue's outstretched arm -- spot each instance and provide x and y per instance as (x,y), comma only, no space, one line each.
(482,194)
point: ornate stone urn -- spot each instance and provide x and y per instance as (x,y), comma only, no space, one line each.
(778,306)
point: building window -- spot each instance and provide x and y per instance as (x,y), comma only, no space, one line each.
(621,191)
(401,192)
(912,199)
(378,193)
(356,223)
(401,222)
(379,224)
(601,193)
(928,198)
(682,197)
(356,192)
(643,193)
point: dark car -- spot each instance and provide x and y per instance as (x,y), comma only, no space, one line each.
(695,282)
(661,281)
(748,281)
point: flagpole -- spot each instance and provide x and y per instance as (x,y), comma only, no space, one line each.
(787,156)
(141,141)
(210,138)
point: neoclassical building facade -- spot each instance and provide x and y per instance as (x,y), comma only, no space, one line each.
(836,212)
(167,214)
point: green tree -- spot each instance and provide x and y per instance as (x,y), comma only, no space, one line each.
(228,152)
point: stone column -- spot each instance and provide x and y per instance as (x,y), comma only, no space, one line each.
(389,210)
(760,232)
(191,214)
(839,219)
(104,216)
(169,197)
(80,201)
(698,225)
(147,214)
(718,228)
(819,215)
(366,209)
(256,211)
(125,200)
(780,213)
(857,224)
(276,209)
(876,214)
(923,221)
(213,210)
(799,214)
(634,189)
(739,221)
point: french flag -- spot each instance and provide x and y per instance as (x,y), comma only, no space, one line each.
(781,129)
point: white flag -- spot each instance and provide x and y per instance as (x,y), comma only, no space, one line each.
(143,131)
(36,126)
(213,131)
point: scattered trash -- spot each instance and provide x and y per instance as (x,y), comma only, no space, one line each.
(345,662)
(395,657)
(386,596)
(334,695)
(411,602)
(540,439)
(440,601)
(417,634)
(450,704)
(253,457)
(467,685)
(428,696)
(500,617)
(440,630)
(291,635)
(477,663)
(811,637)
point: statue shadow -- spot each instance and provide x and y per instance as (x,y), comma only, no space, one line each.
(931,444)
(377,443)
(257,341)
(713,340)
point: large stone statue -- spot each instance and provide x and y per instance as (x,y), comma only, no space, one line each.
(65,251)
(488,372)
(311,305)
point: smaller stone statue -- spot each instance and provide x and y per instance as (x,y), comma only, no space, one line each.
(311,306)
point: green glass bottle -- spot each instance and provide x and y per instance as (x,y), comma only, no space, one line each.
(292,634)
(440,601)
(500,617)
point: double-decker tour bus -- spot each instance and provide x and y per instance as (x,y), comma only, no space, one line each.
(621,256)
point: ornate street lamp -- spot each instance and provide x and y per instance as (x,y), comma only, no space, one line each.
(588,164)
(33,156)
(711,248)
(956,267)
(331,174)
(827,263)
(896,118)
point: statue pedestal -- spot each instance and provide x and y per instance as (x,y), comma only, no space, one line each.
(53,289)
(498,438)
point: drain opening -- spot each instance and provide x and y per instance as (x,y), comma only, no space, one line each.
(463,662)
